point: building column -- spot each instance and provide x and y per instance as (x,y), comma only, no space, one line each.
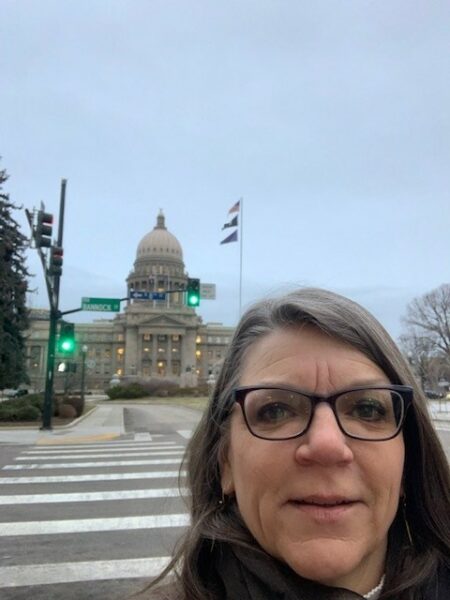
(154,354)
(131,346)
(169,355)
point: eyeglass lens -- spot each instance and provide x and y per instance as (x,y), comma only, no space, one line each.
(367,414)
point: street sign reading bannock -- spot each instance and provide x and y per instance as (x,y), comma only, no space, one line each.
(101,304)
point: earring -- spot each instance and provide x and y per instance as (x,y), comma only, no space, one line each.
(408,530)
(222,502)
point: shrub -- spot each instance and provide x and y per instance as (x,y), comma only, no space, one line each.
(127,391)
(28,413)
(36,400)
(77,403)
(67,411)
(19,411)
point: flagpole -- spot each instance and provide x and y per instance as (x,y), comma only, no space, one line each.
(240,261)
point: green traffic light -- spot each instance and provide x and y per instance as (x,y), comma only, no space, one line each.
(193,292)
(193,300)
(68,345)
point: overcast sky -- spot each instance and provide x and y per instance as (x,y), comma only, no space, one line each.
(331,119)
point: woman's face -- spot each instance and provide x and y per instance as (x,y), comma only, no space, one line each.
(281,487)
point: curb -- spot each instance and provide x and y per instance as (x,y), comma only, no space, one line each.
(56,427)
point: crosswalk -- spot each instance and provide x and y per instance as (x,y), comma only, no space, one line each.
(94,520)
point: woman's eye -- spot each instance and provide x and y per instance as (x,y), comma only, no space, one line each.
(369,410)
(274,412)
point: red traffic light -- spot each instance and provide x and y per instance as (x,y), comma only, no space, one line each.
(43,232)
(56,260)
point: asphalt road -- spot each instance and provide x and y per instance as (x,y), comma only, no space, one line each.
(96,520)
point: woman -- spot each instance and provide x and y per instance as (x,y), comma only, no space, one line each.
(315,471)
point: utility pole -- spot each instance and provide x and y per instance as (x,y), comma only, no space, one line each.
(42,238)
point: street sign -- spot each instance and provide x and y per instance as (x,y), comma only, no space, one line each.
(138,295)
(208,291)
(101,304)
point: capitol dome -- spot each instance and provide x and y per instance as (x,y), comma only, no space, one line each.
(159,243)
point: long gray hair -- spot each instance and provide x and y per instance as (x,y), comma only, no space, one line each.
(426,474)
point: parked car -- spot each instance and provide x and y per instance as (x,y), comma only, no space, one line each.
(15,393)
(433,395)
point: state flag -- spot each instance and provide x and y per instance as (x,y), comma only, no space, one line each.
(232,223)
(233,237)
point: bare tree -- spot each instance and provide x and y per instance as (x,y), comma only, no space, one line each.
(426,340)
(429,316)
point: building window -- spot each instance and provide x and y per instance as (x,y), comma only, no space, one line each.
(161,367)
(147,337)
(198,340)
(35,357)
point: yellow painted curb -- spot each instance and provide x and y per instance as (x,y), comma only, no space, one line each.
(77,440)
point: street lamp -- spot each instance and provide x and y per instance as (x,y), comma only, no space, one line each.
(84,350)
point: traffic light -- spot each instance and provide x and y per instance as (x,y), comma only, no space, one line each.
(56,260)
(193,292)
(43,231)
(66,343)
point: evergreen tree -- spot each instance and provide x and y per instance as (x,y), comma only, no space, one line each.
(13,288)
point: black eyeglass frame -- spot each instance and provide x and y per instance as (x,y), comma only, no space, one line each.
(406,393)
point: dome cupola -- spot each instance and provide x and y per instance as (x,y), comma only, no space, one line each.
(159,244)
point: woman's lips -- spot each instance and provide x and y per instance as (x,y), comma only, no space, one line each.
(324,509)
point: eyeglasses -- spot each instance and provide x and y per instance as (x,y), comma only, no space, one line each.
(373,414)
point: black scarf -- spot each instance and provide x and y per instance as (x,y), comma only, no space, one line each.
(238,573)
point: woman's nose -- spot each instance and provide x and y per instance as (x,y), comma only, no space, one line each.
(324,442)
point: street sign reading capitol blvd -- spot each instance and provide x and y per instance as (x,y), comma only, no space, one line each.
(101,304)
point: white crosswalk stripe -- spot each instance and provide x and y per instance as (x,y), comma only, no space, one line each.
(93,477)
(89,525)
(87,451)
(70,572)
(103,455)
(110,508)
(93,465)
(91,496)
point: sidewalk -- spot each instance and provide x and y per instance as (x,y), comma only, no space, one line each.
(102,423)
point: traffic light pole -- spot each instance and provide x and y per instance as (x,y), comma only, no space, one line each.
(52,281)
(48,394)
(47,411)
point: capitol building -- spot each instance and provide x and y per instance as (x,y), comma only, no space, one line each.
(150,338)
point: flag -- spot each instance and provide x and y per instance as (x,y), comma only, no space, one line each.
(232,223)
(233,237)
(235,207)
